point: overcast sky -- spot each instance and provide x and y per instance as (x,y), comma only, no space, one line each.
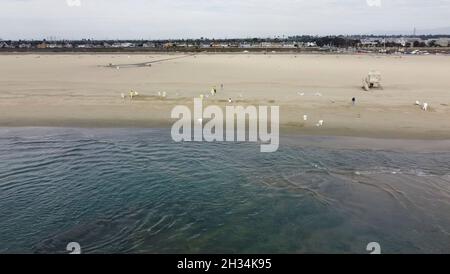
(156,19)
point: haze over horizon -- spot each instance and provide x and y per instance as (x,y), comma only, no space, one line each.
(159,19)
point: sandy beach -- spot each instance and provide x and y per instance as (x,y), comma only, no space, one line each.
(81,90)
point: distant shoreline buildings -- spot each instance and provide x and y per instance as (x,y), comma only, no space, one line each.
(370,43)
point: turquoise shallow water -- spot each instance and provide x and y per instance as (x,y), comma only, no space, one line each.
(135,191)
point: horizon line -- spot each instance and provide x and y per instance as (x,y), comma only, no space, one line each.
(281,37)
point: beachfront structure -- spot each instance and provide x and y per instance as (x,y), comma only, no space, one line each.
(148,45)
(24,46)
(42,45)
(3,45)
(443,42)
(369,43)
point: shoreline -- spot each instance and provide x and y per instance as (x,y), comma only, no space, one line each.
(285,130)
(288,138)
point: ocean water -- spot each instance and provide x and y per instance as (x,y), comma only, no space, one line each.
(136,191)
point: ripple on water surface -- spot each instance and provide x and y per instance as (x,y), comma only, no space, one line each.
(134,190)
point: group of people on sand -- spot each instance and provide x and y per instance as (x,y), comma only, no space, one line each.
(131,94)
(214,92)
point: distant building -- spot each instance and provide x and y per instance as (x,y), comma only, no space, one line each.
(219,45)
(42,45)
(289,45)
(24,46)
(311,44)
(54,46)
(123,45)
(443,42)
(3,45)
(168,45)
(414,40)
(369,42)
(127,45)
(149,45)
(400,41)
